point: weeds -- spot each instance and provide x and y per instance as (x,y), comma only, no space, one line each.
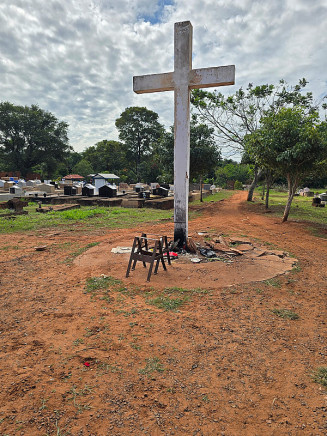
(80,393)
(320,375)
(43,404)
(285,314)
(78,341)
(80,251)
(60,432)
(273,282)
(167,303)
(152,364)
(100,283)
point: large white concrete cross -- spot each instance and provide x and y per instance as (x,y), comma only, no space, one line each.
(181,80)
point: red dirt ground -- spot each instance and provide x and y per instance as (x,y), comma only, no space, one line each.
(114,364)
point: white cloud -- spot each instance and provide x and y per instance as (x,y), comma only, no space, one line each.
(77,58)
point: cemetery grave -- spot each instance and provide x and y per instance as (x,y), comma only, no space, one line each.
(82,347)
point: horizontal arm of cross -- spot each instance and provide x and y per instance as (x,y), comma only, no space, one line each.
(198,78)
(153,83)
(209,77)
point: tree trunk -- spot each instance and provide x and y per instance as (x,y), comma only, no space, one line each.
(292,185)
(201,198)
(263,191)
(267,196)
(268,182)
(257,173)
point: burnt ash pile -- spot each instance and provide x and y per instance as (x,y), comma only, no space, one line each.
(205,247)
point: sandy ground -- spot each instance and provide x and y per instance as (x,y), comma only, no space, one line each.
(112,363)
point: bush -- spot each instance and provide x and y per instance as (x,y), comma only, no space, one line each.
(238,185)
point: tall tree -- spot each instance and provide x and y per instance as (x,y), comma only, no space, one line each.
(30,136)
(234,171)
(290,142)
(140,130)
(204,153)
(107,156)
(238,115)
(83,168)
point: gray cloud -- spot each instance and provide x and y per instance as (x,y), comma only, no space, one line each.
(77,58)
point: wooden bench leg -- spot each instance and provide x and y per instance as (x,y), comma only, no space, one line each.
(152,262)
(131,258)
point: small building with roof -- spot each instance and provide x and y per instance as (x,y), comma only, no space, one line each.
(71,178)
(101,179)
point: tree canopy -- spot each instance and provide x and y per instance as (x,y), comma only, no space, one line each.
(204,153)
(140,130)
(238,115)
(107,156)
(290,142)
(29,137)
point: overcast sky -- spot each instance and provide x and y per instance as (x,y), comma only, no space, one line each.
(77,58)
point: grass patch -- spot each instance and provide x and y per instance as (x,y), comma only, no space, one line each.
(83,219)
(152,365)
(100,283)
(171,299)
(301,209)
(80,214)
(167,303)
(318,231)
(285,314)
(102,286)
(80,251)
(320,375)
(273,282)
(218,196)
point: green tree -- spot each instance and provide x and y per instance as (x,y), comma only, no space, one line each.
(290,142)
(30,136)
(72,158)
(204,154)
(233,171)
(107,156)
(140,130)
(238,115)
(83,168)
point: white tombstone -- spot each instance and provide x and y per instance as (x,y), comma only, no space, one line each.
(16,190)
(21,183)
(181,80)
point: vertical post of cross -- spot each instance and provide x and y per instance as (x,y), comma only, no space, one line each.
(182,67)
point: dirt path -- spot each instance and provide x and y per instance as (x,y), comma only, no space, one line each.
(113,363)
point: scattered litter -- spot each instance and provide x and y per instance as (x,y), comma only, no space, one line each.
(190,246)
(236,240)
(223,241)
(207,253)
(87,363)
(172,255)
(41,248)
(121,250)
(245,247)
(195,260)
(202,233)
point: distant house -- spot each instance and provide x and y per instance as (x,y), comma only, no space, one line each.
(101,179)
(73,178)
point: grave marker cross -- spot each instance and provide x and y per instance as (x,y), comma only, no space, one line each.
(181,80)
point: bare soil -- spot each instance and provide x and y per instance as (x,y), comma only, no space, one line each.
(111,363)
